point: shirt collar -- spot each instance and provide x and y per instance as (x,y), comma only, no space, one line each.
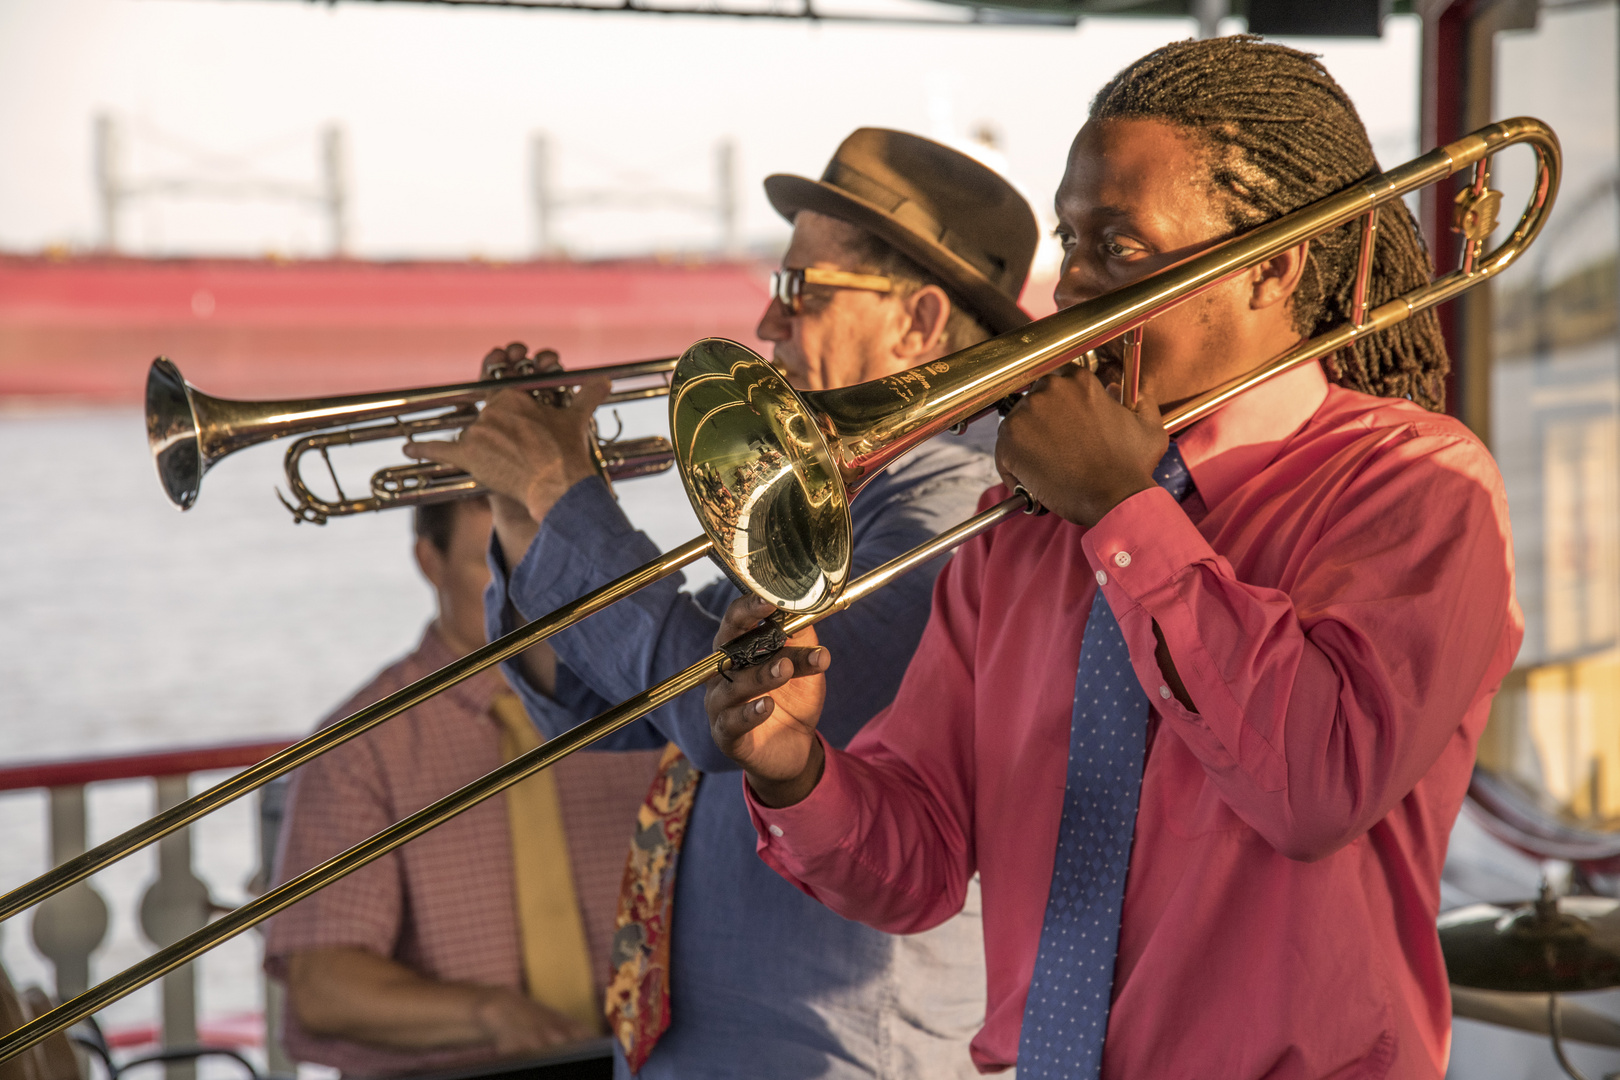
(1245,435)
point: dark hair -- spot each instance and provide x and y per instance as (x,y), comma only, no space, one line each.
(436,522)
(874,255)
(1280,133)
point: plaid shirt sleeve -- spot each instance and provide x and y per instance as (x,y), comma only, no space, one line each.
(336,801)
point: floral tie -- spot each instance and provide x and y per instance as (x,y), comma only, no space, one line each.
(638,996)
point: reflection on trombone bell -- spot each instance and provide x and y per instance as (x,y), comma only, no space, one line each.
(189,431)
(729,408)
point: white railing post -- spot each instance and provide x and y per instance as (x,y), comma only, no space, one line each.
(272,808)
(276,1061)
(176,904)
(69,926)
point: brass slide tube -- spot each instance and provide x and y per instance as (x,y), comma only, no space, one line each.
(328,738)
(492,783)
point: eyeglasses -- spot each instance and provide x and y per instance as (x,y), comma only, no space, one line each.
(787,286)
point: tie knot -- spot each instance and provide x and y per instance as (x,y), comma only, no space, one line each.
(1172,474)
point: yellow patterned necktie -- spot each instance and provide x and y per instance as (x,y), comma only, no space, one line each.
(556,959)
(638,996)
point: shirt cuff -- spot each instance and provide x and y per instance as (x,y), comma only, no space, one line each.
(499,614)
(584,521)
(1141,545)
(794,838)
(1138,551)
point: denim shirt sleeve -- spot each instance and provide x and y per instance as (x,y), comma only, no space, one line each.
(575,702)
(586,540)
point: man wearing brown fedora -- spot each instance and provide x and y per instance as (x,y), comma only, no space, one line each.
(903,252)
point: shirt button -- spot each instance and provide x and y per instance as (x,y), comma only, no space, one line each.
(1164,692)
(1102,578)
(776,830)
(1122,559)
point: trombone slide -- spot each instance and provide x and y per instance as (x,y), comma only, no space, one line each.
(492,783)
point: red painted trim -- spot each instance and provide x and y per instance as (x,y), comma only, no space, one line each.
(238,1031)
(86,328)
(47,774)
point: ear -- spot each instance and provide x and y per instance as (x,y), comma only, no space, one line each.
(1273,282)
(926,311)
(431,562)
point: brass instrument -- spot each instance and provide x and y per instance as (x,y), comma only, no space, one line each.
(741,432)
(770,473)
(189,431)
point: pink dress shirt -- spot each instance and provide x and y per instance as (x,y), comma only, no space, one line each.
(1338,600)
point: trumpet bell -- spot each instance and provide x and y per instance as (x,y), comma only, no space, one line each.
(171,432)
(761,476)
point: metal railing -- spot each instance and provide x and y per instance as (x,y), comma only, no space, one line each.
(69,927)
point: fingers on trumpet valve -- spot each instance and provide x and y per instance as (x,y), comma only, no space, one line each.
(514,359)
(542,362)
(499,361)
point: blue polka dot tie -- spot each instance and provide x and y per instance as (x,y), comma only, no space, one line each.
(1066,1015)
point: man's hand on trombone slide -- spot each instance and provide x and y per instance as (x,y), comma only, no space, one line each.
(764,717)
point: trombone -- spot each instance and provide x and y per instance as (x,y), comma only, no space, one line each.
(190,431)
(770,473)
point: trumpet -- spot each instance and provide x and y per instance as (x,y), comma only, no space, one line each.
(190,431)
(770,473)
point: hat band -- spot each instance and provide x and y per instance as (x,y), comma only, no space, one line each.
(902,209)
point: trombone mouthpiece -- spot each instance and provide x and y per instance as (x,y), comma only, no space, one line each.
(171,431)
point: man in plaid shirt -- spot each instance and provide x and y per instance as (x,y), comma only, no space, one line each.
(417,961)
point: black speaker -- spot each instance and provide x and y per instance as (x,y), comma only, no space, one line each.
(1317,18)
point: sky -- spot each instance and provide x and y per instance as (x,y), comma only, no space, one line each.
(438,107)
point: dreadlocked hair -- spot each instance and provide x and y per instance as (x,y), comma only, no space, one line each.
(1280,133)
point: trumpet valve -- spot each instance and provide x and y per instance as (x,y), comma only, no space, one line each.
(420,483)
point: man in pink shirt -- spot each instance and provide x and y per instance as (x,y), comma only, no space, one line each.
(425,960)
(1204,728)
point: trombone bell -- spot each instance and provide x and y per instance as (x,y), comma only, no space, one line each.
(761,476)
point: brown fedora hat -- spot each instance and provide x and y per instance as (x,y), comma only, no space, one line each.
(955,217)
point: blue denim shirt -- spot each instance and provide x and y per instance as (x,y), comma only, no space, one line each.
(764,980)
